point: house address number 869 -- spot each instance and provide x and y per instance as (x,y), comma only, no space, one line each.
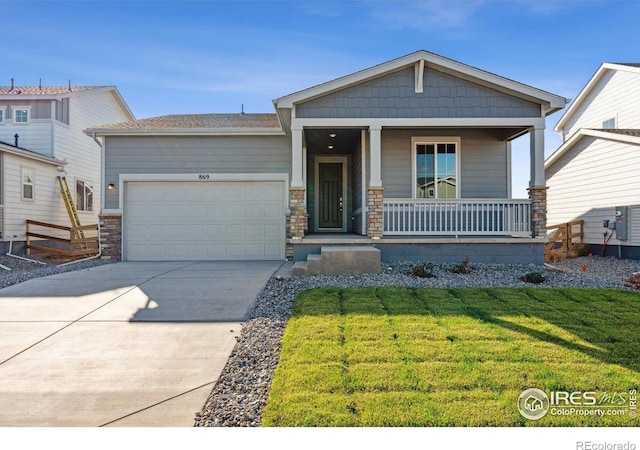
(203,176)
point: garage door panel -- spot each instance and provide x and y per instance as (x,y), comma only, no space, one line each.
(203,220)
(254,232)
(234,231)
(271,212)
(272,251)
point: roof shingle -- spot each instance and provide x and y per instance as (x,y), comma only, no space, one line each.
(627,132)
(44,90)
(199,121)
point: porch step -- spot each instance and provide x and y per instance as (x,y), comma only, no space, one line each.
(340,260)
(299,268)
(314,264)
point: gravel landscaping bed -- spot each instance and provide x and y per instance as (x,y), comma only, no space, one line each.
(240,394)
(25,270)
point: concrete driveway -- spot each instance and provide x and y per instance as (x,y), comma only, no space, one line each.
(124,344)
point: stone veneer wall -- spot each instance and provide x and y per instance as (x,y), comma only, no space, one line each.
(375,217)
(111,236)
(297,219)
(297,216)
(538,196)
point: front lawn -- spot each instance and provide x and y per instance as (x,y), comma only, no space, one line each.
(453,357)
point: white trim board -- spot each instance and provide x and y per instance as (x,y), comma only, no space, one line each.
(530,122)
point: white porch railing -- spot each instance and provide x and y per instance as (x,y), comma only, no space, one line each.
(457,217)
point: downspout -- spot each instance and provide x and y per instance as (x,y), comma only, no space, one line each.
(102,169)
(20,257)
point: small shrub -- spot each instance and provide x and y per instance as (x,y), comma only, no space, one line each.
(533,277)
(422,270)
(634,281)
(464,267)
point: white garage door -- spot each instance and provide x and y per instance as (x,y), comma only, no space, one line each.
(165,221)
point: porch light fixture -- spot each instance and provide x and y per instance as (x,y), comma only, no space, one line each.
(111,187)
(330,147)
(332,135)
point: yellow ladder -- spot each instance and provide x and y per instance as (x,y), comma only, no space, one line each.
(72,211)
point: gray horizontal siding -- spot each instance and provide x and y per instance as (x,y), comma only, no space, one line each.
(167,155)
(484,163)
(394,96)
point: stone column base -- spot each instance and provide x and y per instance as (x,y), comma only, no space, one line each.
(297,216)
(111,236)
(375,220)
(538,196)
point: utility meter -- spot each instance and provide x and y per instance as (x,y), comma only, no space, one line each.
(622,218)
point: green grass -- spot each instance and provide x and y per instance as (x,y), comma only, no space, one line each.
(451,357)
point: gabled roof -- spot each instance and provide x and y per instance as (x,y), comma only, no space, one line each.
(629,136)
(58,93)
(553,102)
(195,124)
(591,84)
(19,151)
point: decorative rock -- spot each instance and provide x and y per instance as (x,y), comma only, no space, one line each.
(241,392)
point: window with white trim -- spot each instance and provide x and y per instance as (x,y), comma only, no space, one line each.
(609,124)
(84,196)
(435,167)
(1,115)
(28,183)
(21,114)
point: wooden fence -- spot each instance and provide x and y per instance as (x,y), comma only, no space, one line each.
(60,240)
(563,239)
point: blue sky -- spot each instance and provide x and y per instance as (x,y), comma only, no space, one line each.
(212,56)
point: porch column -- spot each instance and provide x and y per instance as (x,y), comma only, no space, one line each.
(297,215)
(375,222)
(296,158)
(536,139)
(375,158)
(537,184)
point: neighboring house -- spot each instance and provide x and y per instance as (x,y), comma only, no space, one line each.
(595,174)
(338,163)
(41,138)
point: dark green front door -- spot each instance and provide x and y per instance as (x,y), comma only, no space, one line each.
(330,196)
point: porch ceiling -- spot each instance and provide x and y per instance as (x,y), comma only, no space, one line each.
(318,140)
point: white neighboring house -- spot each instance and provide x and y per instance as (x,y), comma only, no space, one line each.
(41,138)
(595,174)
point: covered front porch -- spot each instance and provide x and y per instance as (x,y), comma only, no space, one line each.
(428,161)
(413,182)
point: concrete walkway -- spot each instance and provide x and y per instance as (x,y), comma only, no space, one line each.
(125,344)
